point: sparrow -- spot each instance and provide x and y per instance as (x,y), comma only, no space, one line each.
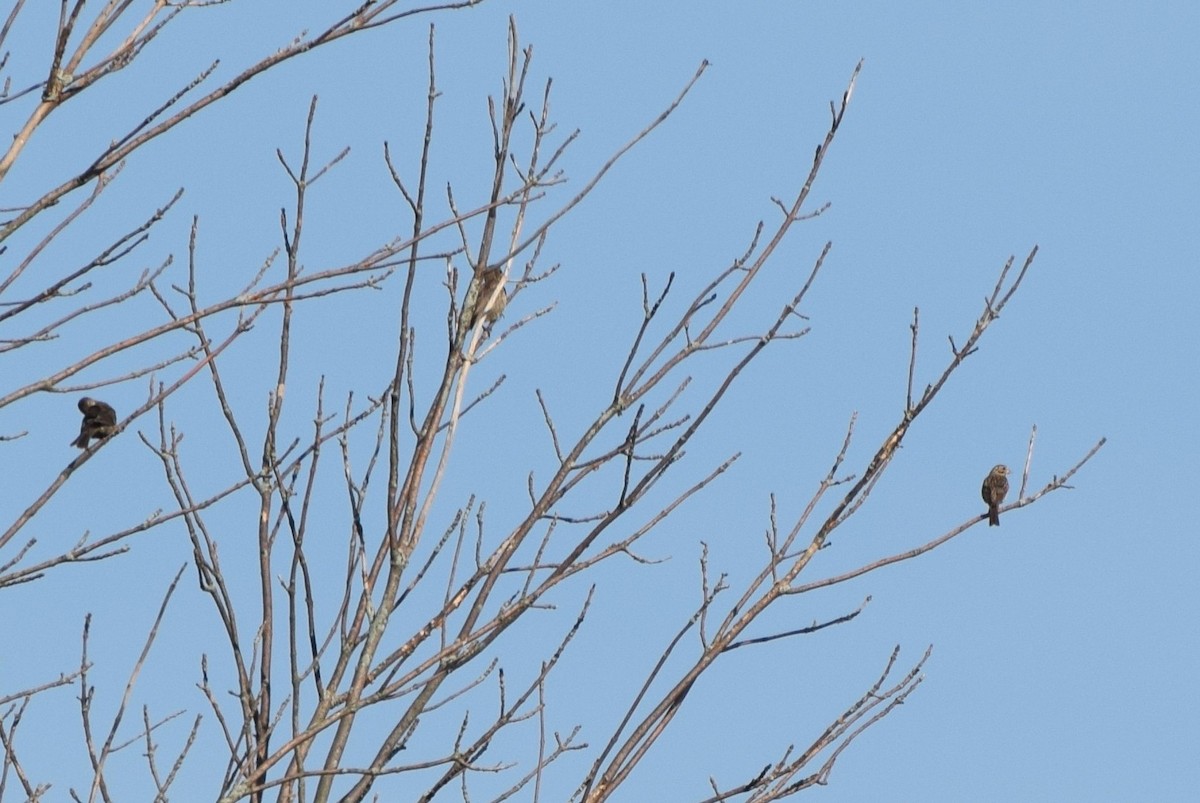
(995,488)
(99,421)
(487,282)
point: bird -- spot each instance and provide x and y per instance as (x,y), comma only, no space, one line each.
(995,488)
(99,421)
(483,305)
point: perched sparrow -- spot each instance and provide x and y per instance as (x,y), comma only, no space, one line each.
(99,421)
(995,488)
(483,305)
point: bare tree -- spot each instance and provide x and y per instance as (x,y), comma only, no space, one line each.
(377,603)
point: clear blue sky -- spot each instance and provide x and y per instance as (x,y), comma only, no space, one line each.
(1065,642)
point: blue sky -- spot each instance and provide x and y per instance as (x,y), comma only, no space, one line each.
(1064,643)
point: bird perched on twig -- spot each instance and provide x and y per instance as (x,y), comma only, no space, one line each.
(99,421)
(995,488)
(483,305)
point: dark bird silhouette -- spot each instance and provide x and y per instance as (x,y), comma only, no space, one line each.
(995,488)
(99,421)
